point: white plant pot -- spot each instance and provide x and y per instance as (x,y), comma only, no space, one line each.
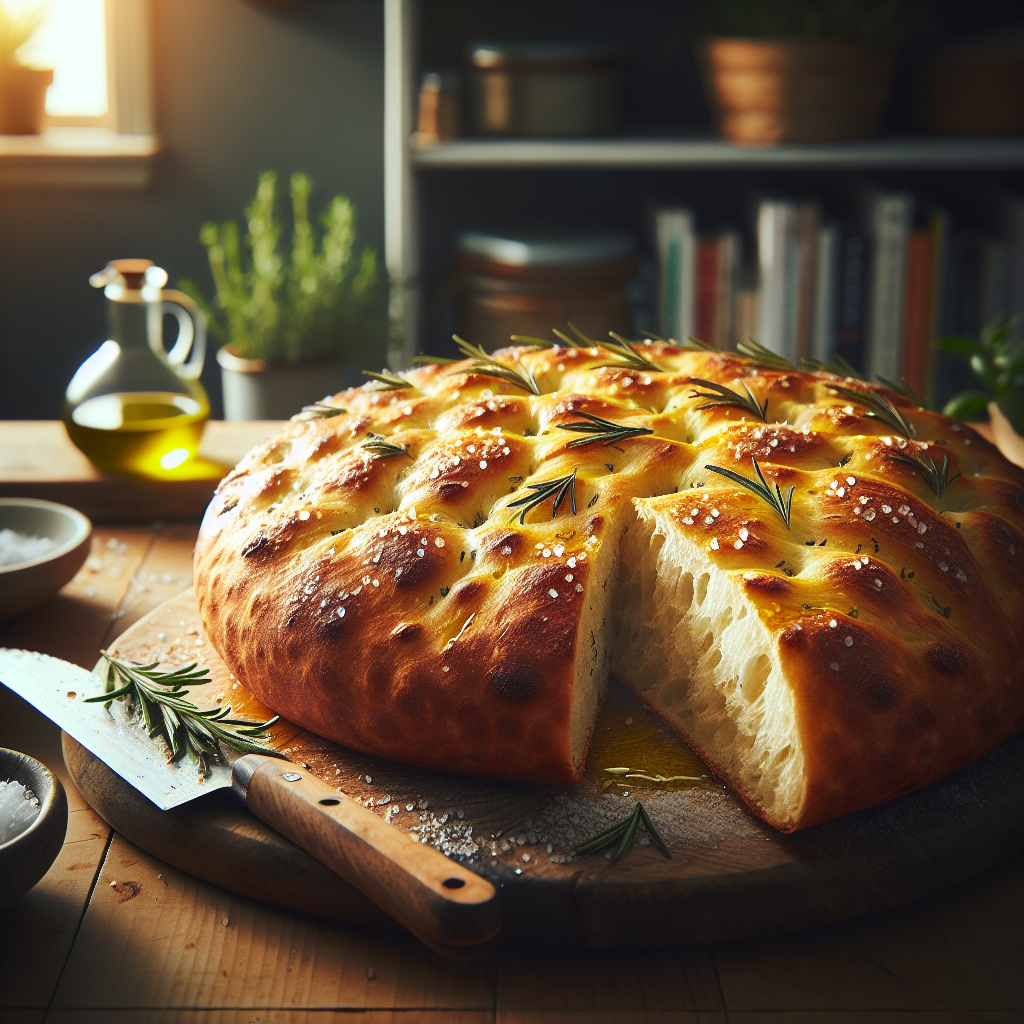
(256,390)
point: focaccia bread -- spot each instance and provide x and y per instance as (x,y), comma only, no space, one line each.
(444,573)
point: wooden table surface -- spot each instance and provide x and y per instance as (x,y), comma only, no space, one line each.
(112,934)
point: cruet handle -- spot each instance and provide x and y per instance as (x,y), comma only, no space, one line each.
(191,334)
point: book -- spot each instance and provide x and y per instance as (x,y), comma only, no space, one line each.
(825,327)
(917,312)
(677,272)
(778,265)
(888,220)
(718,269)
(851,307)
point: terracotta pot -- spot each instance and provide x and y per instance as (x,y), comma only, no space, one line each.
(257,390)
(768,91)
(23,99)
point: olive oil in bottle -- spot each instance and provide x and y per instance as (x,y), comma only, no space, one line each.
(138,433)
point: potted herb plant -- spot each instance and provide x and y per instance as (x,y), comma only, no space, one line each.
(997,359)
(292,327)
(800,70)
(22,88)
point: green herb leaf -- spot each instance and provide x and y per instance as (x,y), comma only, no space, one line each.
(784,506)
(879,407)
(184,728)
(720,395)
(383,448)
(422,360)
(764,357)
(623,833)
(526,339)
(600,431)
(839,366)
(554,491)
(937,479)
(628,354)
(696,343)
(391,381)
(902,388)
(318,411)
(488,366)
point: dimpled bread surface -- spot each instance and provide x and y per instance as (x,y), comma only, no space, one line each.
(380,590)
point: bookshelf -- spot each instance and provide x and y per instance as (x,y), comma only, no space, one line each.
(428,191)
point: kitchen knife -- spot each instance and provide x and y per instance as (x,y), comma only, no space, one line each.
(452,910)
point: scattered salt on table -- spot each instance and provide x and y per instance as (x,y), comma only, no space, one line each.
(22,547)
(19,808)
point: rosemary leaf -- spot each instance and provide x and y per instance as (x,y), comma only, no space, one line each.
(628,354)
(902,388)
(488,366)
(720,395)
(839,366)
(627,836)
(526,339)
(161,697)
(604,839)
(562,336)
(702,346)
(654,833)
(421,360)
(391,381)
(600,431)
(784,506)
(554,491)
(383,448)
(937,479)
(879,408)
(764,357)
(318,411)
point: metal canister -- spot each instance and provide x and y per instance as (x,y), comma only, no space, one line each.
(529,281)
(544,89)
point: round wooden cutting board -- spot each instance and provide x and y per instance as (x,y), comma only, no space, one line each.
(730,875)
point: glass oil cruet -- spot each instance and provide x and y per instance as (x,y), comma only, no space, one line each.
(133,407)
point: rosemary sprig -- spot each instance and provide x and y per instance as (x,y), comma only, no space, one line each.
(784,506)
(562,336)
(382,447)
(318,411)
(623,833)
(879,408)
(422,360)
(628,354)
(702,346)
(601,431)
(186,730)
(720,395)
(391,381)
(488,366)
(902,388)
(764,357)
(937,479)
(554,491)
(528,339)
(839,366)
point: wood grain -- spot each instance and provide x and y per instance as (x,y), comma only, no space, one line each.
(730,877)
(38,460)
(454,911)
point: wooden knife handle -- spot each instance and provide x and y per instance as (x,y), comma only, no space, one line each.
(452,910)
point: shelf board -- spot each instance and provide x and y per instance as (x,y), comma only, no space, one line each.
(686,153)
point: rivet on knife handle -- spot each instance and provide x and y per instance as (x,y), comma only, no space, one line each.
(448,907)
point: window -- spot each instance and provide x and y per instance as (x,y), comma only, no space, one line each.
(99,126)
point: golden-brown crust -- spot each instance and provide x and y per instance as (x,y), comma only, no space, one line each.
(395,602)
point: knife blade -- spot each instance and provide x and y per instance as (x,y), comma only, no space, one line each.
(452,910)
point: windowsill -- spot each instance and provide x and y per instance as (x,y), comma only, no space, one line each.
(77,158)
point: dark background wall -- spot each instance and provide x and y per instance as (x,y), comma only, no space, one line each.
(238,88)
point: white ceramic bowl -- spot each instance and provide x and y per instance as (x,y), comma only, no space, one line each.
(26,857)
(26,584)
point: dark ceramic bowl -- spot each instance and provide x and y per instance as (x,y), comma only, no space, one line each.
(28,856)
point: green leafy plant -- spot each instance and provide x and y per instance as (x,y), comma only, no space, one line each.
(317,303)
(17,27)
(997,360)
